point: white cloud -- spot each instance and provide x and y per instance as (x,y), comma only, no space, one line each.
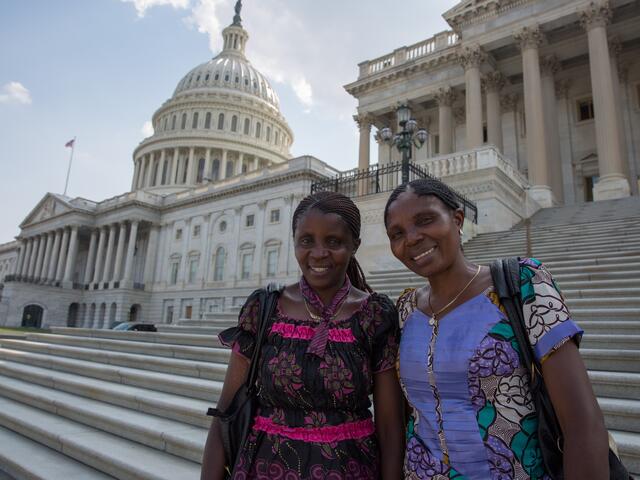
(15,92)
(303,90)
(143,5)
(147,129)
(205,19)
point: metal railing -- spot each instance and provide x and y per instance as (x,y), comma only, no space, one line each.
(385,178)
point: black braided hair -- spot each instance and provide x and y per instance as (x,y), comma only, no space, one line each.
(423,187)
(332,202)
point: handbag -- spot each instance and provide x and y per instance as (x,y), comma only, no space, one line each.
(237,419)
(506,281)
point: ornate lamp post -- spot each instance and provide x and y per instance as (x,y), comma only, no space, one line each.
(409,136)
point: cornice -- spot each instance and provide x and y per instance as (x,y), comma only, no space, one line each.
(481,12)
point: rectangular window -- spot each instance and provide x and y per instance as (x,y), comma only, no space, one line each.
(196,231)
(274,216)
(193,270)
(178,234)
(585,109)
(173,275)
(249,220)
(247,262)
(272,263)
(168,318)
(436,144)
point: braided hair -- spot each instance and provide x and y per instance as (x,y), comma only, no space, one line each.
(332,202)
(423,187)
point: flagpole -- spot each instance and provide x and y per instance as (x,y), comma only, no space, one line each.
(66,183)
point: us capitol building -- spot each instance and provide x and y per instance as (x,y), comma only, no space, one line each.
(528,104)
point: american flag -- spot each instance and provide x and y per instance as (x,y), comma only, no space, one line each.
(70,143)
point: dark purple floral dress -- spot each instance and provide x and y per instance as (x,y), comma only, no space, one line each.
(314,420)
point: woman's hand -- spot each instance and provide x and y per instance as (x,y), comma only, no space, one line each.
(586,446)
(388,406)
(213,460)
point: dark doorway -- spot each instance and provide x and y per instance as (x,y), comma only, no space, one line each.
(72,316)
(32,316)
(134,313)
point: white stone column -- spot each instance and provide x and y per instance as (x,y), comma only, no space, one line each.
(97,272)
(72,256)
(529,40)
(91,257)
(122,236)
(617,74)
(256,163)
(565,127)
(174,166)
(613,183)
(41,249)
(158,179)
(15,269)
(239,162)
(224,164)
(445,97)
(493,84)
(47,257)
(136,172)
(471,58)
(191,167)
(62,257)
(509,107)
(27,258)
(207,166)
(627,106)
(128,267)
(364,122)
(53,264)
(549,66)
(106,274)
(150,259)
(37,250)
(148,177)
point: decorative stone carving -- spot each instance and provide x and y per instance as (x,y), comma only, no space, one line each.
(364,120)
(460,116)
(597,14)
(562,88)
(615,47)
(509,102)
(549,65)
(445,97)
(471,56)
(493,82)
(623,73)
(529,37)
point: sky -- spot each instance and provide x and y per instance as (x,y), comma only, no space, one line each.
(98,69)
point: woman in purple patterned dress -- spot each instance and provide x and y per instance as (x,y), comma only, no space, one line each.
(459,363)
(331,344)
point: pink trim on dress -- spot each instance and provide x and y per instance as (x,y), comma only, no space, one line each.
(304,332)
(331,434)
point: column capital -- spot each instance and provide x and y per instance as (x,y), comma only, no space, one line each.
(493,81)
(445,96)
(597,14)
(364,120)
(562,88)
(509,102)
(529,37)
(471,56)
(549,65)
(460,115)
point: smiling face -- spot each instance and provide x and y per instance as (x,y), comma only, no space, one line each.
(323,247)
(424,233)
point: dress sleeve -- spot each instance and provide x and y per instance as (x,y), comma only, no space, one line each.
(547,319)
(386,335)
(242,338)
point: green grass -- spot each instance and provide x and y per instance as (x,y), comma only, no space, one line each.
(21,330)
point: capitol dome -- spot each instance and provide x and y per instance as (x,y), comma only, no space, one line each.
(222,121)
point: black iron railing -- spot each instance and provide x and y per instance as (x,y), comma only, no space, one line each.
(385,178)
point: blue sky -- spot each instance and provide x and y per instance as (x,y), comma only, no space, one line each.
(98,69)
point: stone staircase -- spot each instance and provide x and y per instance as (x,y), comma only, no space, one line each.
(593,252)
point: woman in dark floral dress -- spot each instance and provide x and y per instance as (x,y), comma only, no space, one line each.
(331,344)
(472,411)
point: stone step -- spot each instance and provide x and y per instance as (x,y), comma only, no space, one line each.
(123,459)
(553,257)
(175,438)
(212,331)
(188,368)
(162,382)
(29,460)
(615,384)
(610,341)
(621,414)
(603,232)
(617,314)
(611,360)
(208,323)
(184,352)
(621,327)
(629,449)
(191,411)
(151,337)
(568,244)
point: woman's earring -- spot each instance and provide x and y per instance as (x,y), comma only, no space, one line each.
(461,232)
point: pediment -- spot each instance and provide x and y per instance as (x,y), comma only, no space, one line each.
(49,207)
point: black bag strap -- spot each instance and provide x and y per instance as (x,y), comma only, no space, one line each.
(268,301)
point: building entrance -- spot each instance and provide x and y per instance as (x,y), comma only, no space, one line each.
(32,316)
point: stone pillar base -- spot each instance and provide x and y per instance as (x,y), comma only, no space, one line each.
(610,187)
(543,195)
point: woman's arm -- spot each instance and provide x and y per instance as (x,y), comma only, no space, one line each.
(586,445)
(388,405)
(213,460)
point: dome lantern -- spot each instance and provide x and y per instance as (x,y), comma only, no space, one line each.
(234,36)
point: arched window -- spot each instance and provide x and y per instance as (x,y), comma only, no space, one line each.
(200,176)
(215,169)
(183,125)
(258,128)
(268,134)
(218,265)
(164,124)
(234,123)
(185,170)
(277,137)
(154,172)
(194,123)
(173,123)
(165,172)
(247,126)
(229,169)
(221,121)
(207,120)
